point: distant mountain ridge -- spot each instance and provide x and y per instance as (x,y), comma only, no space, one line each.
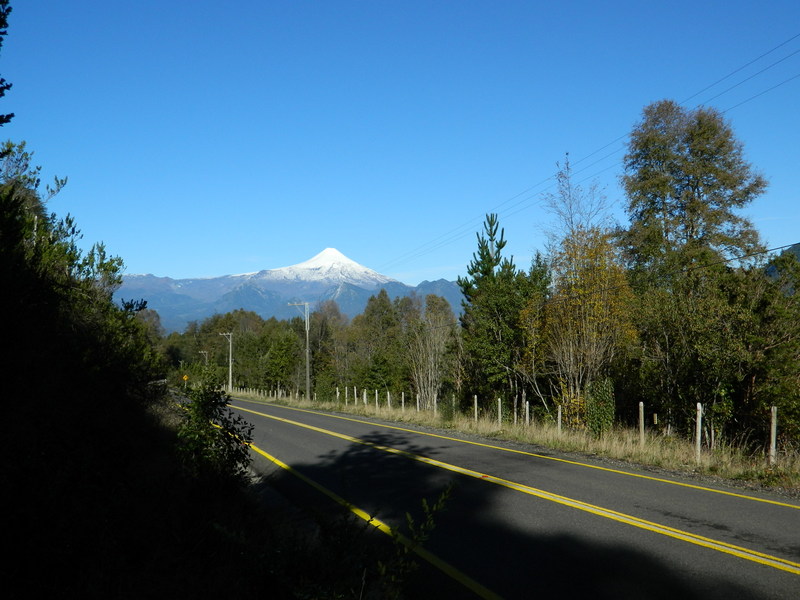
(329,275)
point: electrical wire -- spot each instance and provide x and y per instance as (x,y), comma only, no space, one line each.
(732,73)
(761,93)
(524,203)
(683,271)
(767,68)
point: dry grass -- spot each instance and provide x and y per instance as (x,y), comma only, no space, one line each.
(670,453)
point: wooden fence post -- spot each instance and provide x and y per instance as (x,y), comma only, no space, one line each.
(558,428)
(698,432)
(499,412)
(641,424)
(475,404)
(773,435)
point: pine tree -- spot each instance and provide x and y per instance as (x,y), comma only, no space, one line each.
(495,293)
(5,10)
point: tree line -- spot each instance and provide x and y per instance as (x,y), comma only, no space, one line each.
(682,305)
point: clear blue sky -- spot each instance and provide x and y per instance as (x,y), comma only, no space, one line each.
(208,138)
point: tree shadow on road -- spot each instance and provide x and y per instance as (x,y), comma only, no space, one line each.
(472,534)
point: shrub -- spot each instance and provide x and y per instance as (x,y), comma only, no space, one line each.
(211,439)
(600,406)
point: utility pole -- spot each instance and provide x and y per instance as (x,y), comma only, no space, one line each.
(308,367)
(230,360)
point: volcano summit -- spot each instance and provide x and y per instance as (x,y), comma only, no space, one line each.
(329,275)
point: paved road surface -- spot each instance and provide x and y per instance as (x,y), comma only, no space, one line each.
(524,522)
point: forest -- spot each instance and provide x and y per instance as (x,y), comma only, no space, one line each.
(683,304)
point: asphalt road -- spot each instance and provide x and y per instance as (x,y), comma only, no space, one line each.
(524,522)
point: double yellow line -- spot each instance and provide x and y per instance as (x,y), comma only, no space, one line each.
(541,456)
(738,551)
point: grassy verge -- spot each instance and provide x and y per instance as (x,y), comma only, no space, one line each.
(665,452)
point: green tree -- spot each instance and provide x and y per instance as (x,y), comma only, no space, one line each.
(80,367)
(768,365)
(534,364)
(282,356)
(485,260)
(67,294)
(690,344)
(5,10)
(685,177)
(328,350)
(495,293)
(151,321)
(376,337)
(707,326)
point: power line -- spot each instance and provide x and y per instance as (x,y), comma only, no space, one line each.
(682,270)
(752,76)
(732,73)
(463,230)
(761,93)
(469,227)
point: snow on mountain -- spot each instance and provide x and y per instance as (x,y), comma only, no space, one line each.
(329,275)
(329,267)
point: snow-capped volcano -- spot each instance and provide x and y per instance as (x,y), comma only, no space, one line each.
(329,275)
(329,267)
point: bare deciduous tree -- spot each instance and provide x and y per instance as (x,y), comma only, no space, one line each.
(587,315)
(429,340)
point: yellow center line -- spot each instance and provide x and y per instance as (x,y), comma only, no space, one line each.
(431,558)
(541,456)
(741,552)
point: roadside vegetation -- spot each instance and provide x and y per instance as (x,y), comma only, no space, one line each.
(114,485)
(658,451)
(683,305)
(117,486)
